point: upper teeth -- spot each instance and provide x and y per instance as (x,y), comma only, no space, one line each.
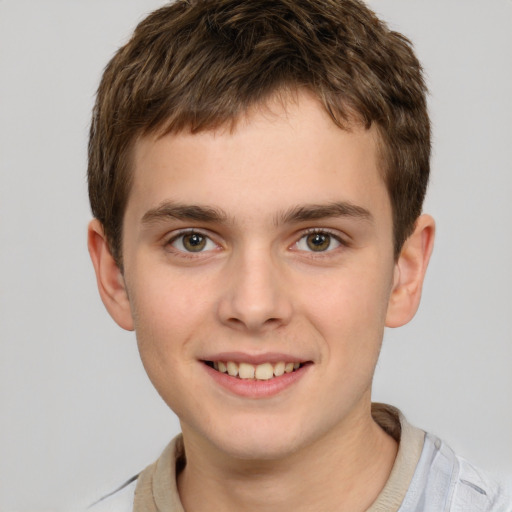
(264,371)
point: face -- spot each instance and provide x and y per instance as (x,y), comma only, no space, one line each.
(259,265)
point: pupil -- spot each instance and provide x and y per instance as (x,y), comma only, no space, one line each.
(318,241)
(194,242)
(195,239)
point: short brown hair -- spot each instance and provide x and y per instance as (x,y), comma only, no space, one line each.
(199,64)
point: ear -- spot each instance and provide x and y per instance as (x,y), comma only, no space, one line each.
(410,272)
(109,277)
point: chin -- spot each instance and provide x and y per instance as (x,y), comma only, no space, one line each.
(258,449)
(258,440)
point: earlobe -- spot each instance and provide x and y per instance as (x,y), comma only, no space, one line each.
(109,278)
(410,272)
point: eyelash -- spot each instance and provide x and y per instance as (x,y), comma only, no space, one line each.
(182,234)
(312,231)
(322,231)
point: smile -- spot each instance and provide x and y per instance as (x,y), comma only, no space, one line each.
(247,371)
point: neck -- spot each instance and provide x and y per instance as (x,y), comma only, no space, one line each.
(344,470)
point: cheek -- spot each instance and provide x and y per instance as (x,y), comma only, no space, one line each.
(349,312)
(163,329)
(353,298)
(167,300)
(167,313)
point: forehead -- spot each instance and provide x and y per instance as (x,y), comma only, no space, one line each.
(277,155)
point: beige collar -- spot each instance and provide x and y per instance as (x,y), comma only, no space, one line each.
(411,440)
(157,490)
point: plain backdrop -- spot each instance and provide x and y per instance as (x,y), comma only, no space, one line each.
(78,414)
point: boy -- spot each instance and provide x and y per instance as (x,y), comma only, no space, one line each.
(256,173)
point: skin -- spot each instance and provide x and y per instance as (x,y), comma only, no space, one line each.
(257,288)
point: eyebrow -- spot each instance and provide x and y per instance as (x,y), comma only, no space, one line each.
(322,211)
(178,211)
(300,213)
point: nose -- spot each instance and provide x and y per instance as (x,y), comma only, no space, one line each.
(255,297)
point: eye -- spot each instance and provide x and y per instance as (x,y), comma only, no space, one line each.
(192,242)
(318,241)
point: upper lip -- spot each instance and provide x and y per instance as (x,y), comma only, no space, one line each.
(241,357)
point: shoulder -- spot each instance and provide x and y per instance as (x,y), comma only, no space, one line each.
(120,500)
(474,487)
(138,491)
(444,481)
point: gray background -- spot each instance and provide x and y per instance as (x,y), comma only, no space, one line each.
(78,415)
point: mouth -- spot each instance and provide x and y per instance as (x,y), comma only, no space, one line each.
(248,371)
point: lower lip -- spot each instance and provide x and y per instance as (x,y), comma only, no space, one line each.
(252,388)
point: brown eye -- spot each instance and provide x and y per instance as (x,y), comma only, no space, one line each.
(319,241)
(193,242)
